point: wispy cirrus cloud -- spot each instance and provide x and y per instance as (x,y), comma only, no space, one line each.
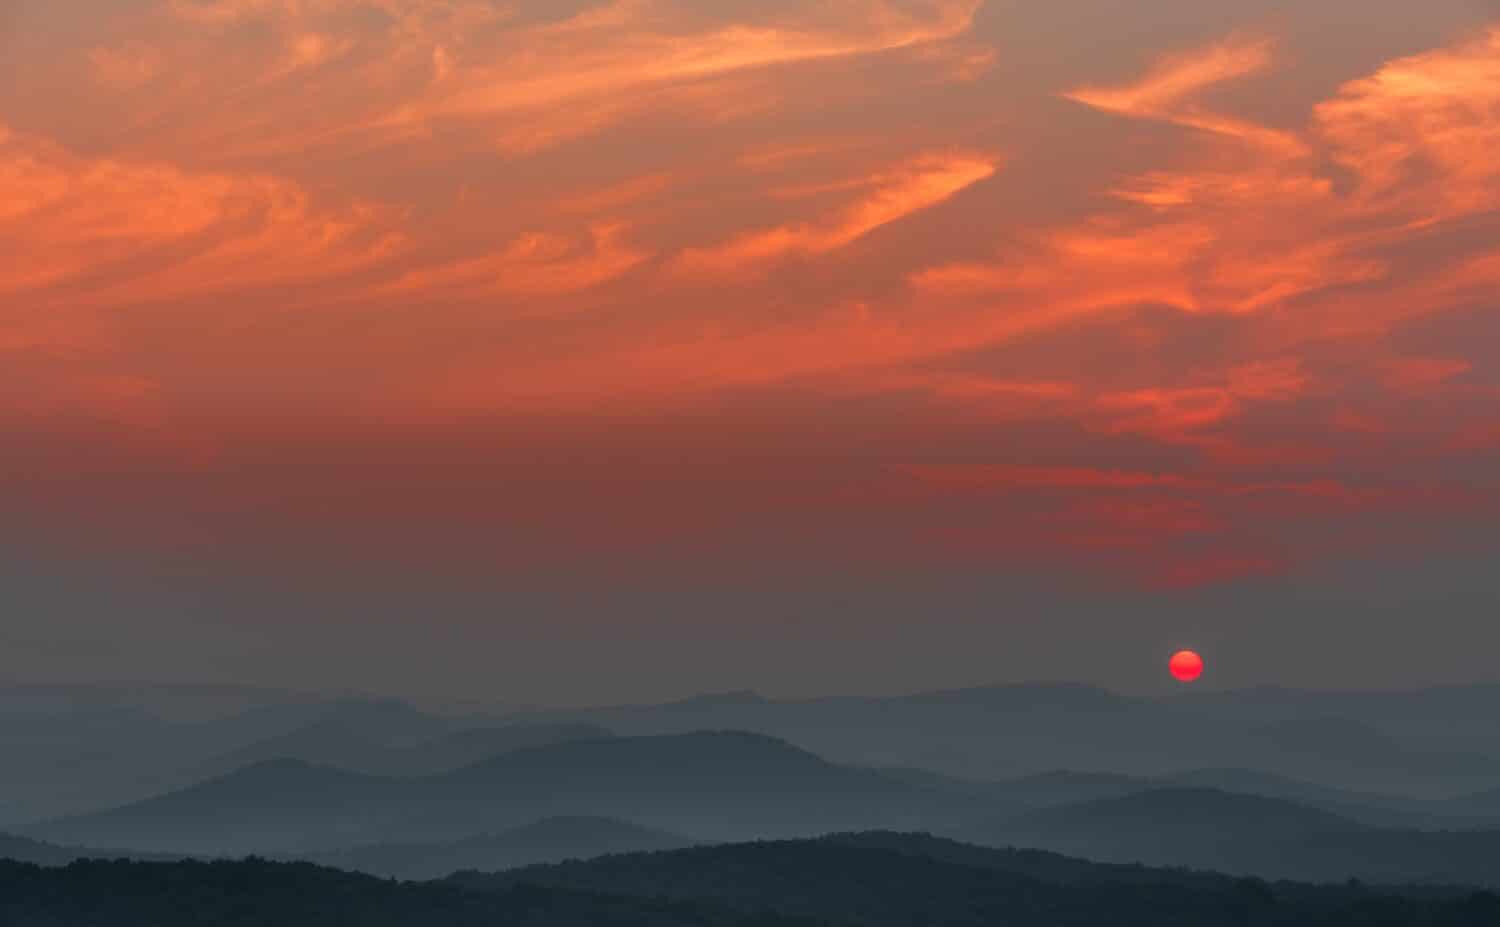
(516,78)
(890,195)
(863,227)
(537,264)
(1418,132)
(99,232)
(1168,92)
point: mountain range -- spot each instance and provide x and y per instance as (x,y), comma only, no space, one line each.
(76,749)
(73,750)
(547,802)
(713,786)
(1430,743)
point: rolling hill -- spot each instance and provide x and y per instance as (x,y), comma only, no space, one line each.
(1065,787)
(254,893)
(900,880)
(546,841)
(26,850)
(854,880)
(1247,834)
(704,786)
(75,750)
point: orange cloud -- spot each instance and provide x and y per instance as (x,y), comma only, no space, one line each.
(523,85)
(1420,133)
(1177,77)
(537,264)
(1100,264)
(895,194)
(1259,228)
(103,232)
(1166,93)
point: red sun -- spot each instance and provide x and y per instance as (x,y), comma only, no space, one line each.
(1186,666)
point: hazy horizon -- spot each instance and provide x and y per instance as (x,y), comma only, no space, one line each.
(460,701)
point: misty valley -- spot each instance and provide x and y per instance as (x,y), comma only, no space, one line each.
(1046,805)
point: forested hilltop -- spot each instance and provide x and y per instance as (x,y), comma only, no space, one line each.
(856,881)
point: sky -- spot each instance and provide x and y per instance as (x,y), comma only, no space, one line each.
(570,351)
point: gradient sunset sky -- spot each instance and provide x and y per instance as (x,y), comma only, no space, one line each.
(597,350)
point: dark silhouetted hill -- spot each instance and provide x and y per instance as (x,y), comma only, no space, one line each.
(256,893)
(898,880)
(856,880)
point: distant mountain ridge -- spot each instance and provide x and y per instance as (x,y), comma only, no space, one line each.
(415,748)
(1358,741)
(713,785)
(728,786)
(75,749)
(72,750)
(1249,835)
(545,841)
(26,850)
(1063,787)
